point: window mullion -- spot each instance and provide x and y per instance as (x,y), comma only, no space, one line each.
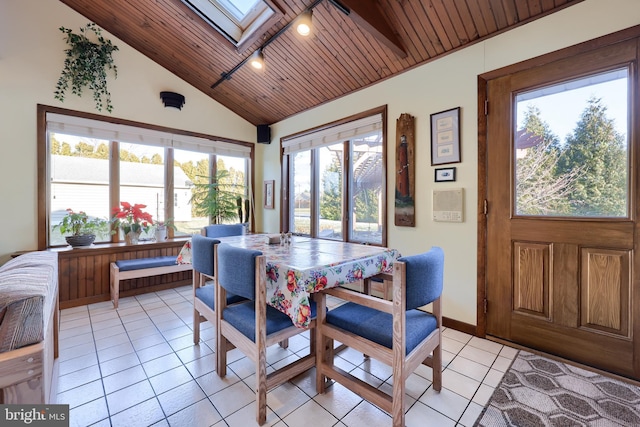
(169,191)
(346,193)
(114,180)
(315,193)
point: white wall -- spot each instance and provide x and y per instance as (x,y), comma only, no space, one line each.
(440,85)
(31,59)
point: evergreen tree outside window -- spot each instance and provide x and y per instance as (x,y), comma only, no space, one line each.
(574,161)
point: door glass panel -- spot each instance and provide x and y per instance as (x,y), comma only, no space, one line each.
(571,148)
(331,160)
(300,207)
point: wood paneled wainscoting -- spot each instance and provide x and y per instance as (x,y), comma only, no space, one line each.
(84,272)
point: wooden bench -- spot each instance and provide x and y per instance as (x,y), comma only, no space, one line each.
(141,267)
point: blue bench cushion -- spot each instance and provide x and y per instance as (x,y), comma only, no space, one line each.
(139,264)
(243,318)
(377,326)
(206,295)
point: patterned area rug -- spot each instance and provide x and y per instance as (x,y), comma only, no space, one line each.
(537,391)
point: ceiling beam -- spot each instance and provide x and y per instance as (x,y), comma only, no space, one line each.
(371,19)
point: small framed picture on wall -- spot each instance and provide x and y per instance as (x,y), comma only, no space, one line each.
(445,174)
(269,194)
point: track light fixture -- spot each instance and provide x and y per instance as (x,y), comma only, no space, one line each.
(256,59)
(303,26)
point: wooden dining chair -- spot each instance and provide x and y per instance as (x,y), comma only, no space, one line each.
(203,283)
(252,326)
(393,332)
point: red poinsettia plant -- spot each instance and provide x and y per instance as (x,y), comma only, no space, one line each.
(132,218)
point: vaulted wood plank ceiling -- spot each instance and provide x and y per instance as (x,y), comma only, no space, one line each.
(338,58)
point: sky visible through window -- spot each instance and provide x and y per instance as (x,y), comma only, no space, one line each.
(562,110)
(239,8)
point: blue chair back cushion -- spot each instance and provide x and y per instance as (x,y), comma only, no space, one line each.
(236,270)
(206,294)
(377,326)
(224,230)
(243,318)
(141,263)
(202,253)
(425,275)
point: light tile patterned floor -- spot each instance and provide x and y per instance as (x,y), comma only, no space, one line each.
(137,366)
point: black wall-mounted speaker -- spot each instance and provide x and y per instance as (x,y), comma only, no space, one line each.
(172,99)
(264,134)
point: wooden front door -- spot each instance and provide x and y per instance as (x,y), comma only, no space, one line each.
(561,274)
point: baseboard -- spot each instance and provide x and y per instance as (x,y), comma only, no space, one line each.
(459,326)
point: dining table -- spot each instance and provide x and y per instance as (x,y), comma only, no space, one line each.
(306,265)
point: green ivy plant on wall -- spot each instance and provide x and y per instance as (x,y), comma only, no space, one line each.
(86,64)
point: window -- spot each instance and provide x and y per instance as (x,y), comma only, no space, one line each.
(79,179)
(331,194)
(335,184)
(195,179)
(142,179)
(366,189)
(239,21)
(300,209)
(571,148)
(83,175)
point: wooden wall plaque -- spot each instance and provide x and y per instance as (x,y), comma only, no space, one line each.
(405,171)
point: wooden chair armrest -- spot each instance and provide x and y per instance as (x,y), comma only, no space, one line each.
(362,299)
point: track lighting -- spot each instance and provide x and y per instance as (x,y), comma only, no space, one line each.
(257,60)
(303,26)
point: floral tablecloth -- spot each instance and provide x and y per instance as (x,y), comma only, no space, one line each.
(306,265)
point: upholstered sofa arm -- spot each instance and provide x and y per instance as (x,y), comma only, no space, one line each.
(28,289)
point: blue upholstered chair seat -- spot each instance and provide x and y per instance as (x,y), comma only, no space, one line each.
(138,264)
(206,295)
(243,318)
(377,326)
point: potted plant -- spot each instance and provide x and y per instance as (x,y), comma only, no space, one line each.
(81,227)
(132,220)
(218,199)
(161,229)
(86,64)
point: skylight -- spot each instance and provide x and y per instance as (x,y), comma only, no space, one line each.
(237,20)
(240,9)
